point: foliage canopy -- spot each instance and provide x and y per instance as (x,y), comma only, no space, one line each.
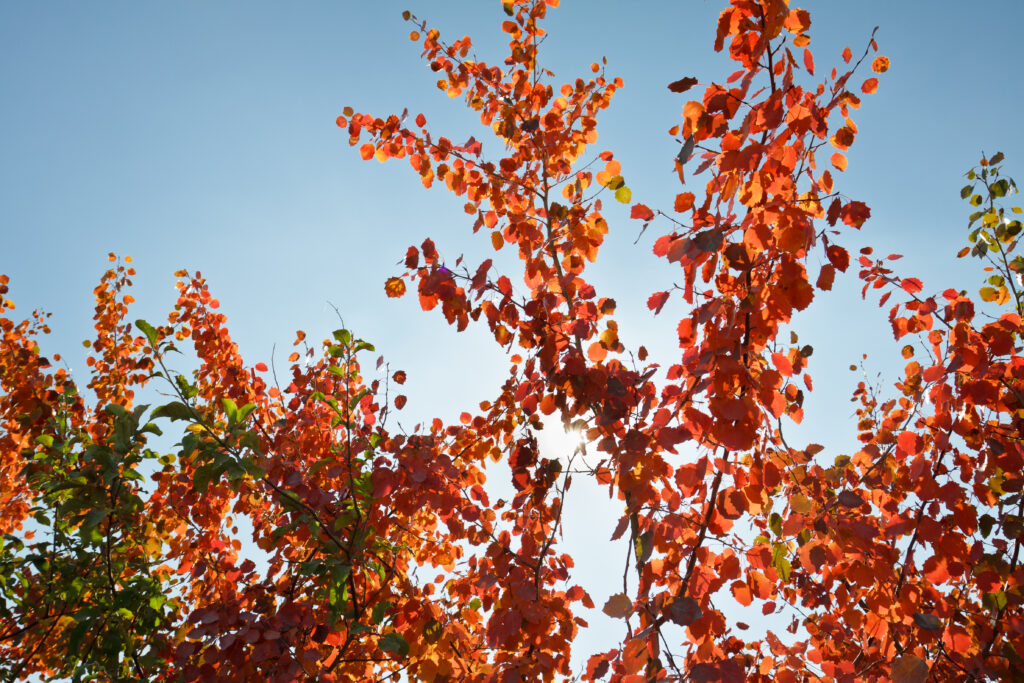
(384,552)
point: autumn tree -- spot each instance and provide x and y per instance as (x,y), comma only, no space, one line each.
(383,553)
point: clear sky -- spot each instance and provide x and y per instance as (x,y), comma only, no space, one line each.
(201,135)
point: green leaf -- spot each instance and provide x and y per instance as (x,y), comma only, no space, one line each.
(965,192)
(175,410)
(783,566)
(188,389)
(344,337)
(378,611)
(93,518)
(44,440)
(624,194)
(115,409)
(150,428)
(75,639)
(147,330)
(644,546)
(999,188)
(995,600)
(392,642)
(245,411)
(231,408)
(203,476)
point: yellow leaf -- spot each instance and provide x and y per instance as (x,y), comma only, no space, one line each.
(801,504)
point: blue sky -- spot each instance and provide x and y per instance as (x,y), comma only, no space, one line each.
(201,135)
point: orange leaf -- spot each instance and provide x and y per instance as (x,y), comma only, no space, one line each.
(367,151)
(619,606)
(909,669)
(783,365)
(797,21)
(684,201)
(870,86)
(741,592)
(692,111)
(839,161)
(394,287)
(880,65)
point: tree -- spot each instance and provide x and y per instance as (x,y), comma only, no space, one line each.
(384,553)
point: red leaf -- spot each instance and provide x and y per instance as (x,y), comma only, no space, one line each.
(809,61)
(683,84)
(641,212)
(870,86)
(783,365)
(850,499)
(909,669)
(826,277)
(934,373)
(597,666)
(855,213)
(912,285)
(657,301)
(683,611)
(910,442)
(261,367)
